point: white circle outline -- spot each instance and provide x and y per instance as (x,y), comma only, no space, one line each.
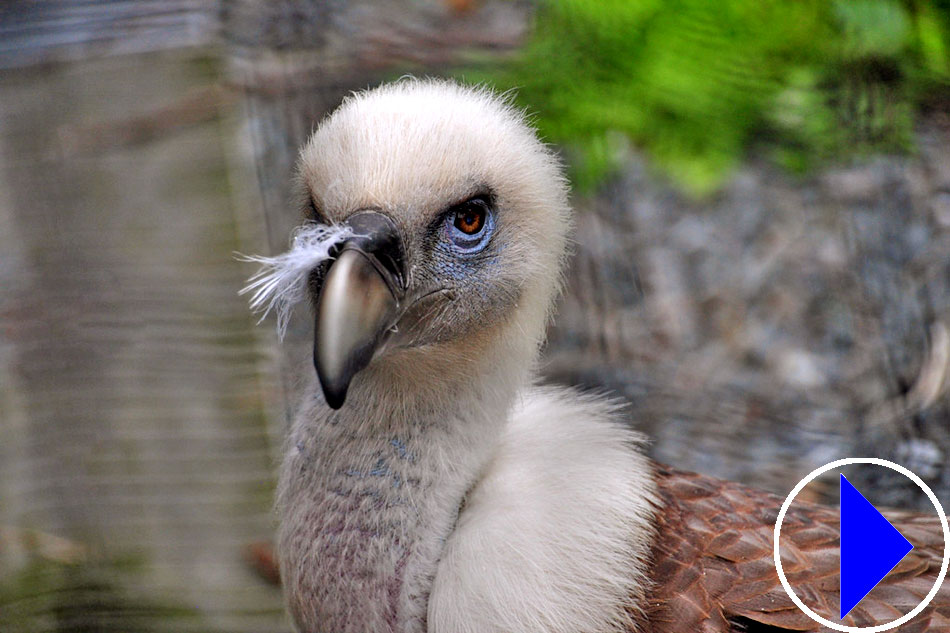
(878,627)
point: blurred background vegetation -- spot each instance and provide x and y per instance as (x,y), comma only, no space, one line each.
(695,84)
(761,261)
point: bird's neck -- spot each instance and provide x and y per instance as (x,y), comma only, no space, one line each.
(368,494)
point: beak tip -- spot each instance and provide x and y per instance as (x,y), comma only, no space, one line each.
(335,395)
(333,385)
(335,401)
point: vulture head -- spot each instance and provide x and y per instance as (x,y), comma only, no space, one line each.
(459,221)
(428,483)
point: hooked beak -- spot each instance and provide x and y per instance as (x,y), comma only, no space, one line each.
(359,302)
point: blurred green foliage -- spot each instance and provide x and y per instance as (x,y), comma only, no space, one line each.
(695,82)
(87,597)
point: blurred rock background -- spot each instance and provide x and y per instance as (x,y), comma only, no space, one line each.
(762,265)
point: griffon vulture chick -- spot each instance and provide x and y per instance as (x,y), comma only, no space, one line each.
(429,484)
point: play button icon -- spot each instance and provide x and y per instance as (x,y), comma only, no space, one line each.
(870,546)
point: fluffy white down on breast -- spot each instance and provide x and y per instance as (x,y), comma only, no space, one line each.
(554,536)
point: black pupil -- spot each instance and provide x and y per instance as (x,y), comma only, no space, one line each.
(470,219)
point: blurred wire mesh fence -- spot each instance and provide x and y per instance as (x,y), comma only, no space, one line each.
(778,324)
(133,394)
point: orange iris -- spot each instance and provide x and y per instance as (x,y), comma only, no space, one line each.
(470,219)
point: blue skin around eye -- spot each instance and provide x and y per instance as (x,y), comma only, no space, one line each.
(450,268)
(469,244)
(455,249)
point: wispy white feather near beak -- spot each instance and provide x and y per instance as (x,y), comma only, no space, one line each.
(281,281)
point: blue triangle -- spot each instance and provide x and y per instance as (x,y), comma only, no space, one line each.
(870,546)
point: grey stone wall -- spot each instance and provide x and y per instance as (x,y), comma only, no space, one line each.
(780,325)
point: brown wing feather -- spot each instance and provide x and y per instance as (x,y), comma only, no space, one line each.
(713,567)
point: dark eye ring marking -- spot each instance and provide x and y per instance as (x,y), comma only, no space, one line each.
(314,211)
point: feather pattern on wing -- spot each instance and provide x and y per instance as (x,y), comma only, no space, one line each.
(713,569)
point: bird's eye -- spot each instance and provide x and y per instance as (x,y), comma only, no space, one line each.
(470,218)
(469,224)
